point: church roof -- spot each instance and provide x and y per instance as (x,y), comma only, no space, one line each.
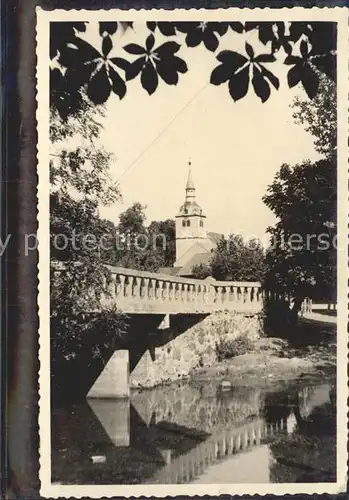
(186,270)
(199,258)
(171,271)
(190,207)
(190,183)
(214,237)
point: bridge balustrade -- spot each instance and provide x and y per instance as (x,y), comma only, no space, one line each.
(134,291)
(139,291)
(217,447)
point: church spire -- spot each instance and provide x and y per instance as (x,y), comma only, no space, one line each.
(190,184)
(190,188)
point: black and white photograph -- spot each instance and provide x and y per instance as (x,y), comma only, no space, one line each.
(193,253)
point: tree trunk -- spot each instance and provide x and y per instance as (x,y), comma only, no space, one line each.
(296,308)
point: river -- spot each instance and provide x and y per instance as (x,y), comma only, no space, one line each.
(196,432)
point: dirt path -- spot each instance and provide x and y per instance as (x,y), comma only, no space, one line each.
(318,318)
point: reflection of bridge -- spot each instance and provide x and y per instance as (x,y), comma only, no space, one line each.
(142,292)
(217,447)
(164,452)
(170,451)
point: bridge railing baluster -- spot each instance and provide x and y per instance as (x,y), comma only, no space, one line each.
(160,290)
(249,295)
(121,285)
(146,289)
(205,294)
(228,295)
(188,293)
(258,434)
(128,287)
(180,292)
(185,292)
(237,443)
(191,293)
(153,289)
(137,288)
(112,287)
(255,295)
(179,288)
(172,292)
(201,295)
(223,296)
(246,295)
(167,291)
(219,296)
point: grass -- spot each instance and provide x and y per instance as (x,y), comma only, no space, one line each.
(226,349)
(272,360)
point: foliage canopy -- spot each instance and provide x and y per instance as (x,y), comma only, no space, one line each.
(309,48)
(233,259)
(302,258)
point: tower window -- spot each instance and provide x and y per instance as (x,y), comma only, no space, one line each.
(201,223)
(184,223)
(188,222)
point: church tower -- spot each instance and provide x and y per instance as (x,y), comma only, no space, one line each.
(190,224)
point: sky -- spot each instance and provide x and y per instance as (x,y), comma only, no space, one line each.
(235,148)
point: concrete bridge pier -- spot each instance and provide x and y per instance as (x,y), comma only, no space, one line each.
(113,381)
(114,416)
(146,333)
(155,351)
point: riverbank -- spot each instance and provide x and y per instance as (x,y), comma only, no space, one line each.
(319,317)
(311,354)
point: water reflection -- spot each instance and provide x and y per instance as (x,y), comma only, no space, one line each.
(188,433)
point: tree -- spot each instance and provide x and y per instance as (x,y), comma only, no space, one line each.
(163,237)
(310,49)
(132,220)
(141,247)
(319,116)
(301,260)
(80,180)
(201,271)
(235,260)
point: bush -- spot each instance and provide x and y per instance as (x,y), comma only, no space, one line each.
(278,319)
(226,349)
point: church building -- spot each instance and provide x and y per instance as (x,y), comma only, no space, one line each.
(193,242)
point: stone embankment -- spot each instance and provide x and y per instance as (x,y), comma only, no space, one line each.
(194,348)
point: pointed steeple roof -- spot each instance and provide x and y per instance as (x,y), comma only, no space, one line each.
(190,183)
(190,207)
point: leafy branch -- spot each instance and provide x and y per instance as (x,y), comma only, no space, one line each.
(310,50)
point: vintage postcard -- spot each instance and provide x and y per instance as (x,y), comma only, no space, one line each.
(193,251)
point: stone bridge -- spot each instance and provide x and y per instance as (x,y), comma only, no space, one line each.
(161,307)
(158,309)
(151,293)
